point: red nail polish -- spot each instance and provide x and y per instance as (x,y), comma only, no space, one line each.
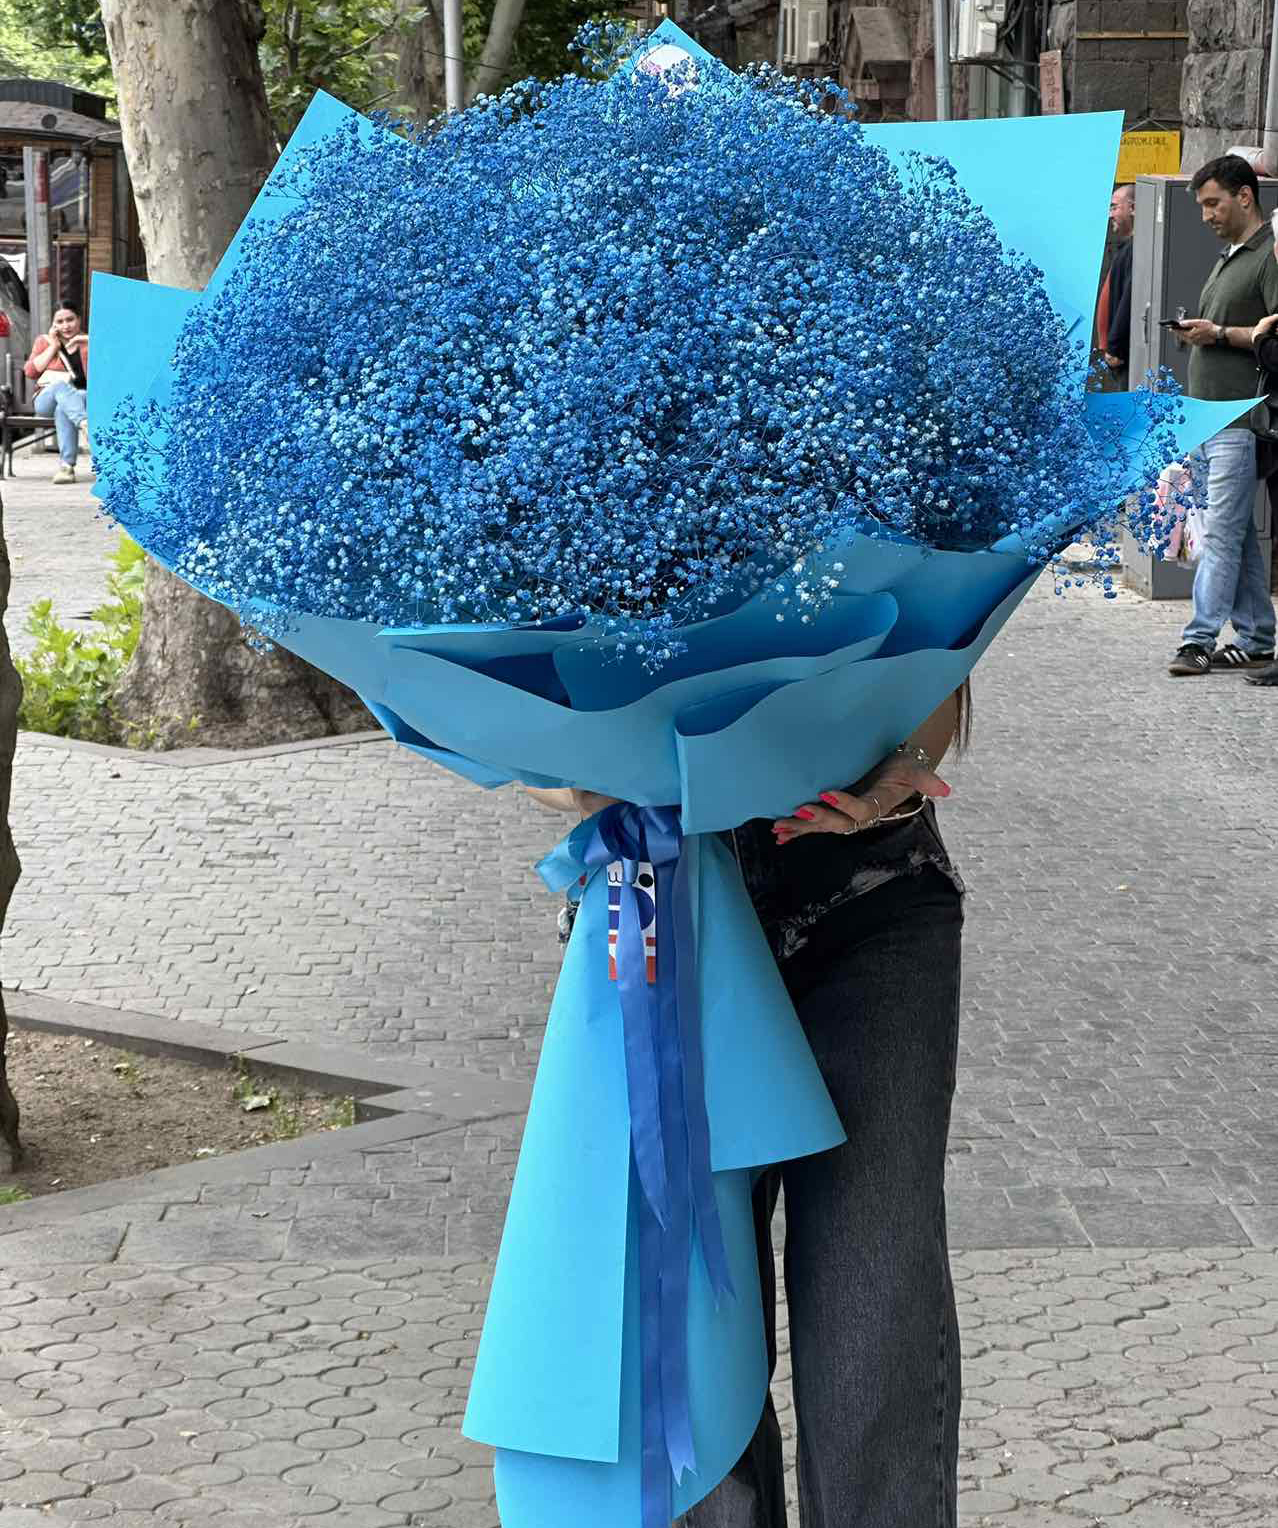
(829,798)
(805,814)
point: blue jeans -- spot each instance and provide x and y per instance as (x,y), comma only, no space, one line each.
(1232,581)
(65,405)
(873,1329)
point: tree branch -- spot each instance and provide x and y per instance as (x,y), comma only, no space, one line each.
(507,14)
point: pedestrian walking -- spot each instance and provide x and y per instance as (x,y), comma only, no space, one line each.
(1232,580)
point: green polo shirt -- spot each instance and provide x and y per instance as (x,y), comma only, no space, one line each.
(1241,290)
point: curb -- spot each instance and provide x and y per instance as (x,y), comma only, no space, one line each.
(395,1100)
(197,758)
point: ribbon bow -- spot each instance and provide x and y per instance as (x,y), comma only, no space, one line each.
(669,1126)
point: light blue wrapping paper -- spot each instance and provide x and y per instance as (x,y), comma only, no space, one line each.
(561,1330)
(756,717)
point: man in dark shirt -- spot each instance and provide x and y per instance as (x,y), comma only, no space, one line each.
(1114,311)
(1232,580)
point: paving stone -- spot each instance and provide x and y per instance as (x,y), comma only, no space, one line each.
(1161,1225)
(186,1241)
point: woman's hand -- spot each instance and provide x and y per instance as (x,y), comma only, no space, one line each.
(563,799)
(590,802)
(892,782)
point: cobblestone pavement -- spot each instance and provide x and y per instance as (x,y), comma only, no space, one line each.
(294,1344)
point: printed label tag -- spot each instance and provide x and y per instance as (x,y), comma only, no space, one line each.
(646,896)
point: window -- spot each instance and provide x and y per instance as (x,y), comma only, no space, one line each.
(805,25)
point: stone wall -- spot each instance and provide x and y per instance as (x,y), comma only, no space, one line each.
(1223,89)
(1138,73)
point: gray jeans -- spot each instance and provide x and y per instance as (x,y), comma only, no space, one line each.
(873,1331)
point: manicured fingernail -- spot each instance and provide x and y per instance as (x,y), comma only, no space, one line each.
(829,798)
(805,814)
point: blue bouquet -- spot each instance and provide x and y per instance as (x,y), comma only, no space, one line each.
(674,437)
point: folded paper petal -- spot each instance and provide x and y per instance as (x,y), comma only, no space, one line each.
(729,1380)
(555,1312)
(1056,214)
(799,740)
(629,752)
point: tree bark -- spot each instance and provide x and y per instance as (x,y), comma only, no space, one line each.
(507,14)
(10,868)
(199,144)
(419,75)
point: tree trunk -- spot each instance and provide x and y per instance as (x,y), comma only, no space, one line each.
(10,869)
(419,75)
(199,144)
(507,14)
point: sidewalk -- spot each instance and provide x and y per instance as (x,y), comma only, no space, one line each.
(272,1340)
(57,544)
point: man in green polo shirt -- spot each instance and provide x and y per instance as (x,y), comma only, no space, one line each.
(1232,580)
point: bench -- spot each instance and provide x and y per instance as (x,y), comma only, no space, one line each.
(18,429)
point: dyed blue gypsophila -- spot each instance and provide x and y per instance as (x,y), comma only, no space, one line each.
(615,349)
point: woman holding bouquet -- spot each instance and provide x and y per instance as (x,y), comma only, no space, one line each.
(863,910)
(652,473)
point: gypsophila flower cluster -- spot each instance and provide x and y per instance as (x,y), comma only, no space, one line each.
(621,349)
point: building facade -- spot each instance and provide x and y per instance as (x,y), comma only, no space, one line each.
(1114,54)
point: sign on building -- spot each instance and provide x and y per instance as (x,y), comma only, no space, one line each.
(1051,82)
(1148,154)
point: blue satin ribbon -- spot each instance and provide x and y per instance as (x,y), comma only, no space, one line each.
(669,1128)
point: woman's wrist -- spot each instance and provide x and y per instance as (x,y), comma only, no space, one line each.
(910,807)
(920,755)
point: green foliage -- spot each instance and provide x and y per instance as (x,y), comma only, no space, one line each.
(70,676)
(13,1195)
(347,47)
(56,40)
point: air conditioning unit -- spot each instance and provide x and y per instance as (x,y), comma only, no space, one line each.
(976,29)
(805,28)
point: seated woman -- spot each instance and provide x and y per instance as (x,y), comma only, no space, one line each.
(59,367)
